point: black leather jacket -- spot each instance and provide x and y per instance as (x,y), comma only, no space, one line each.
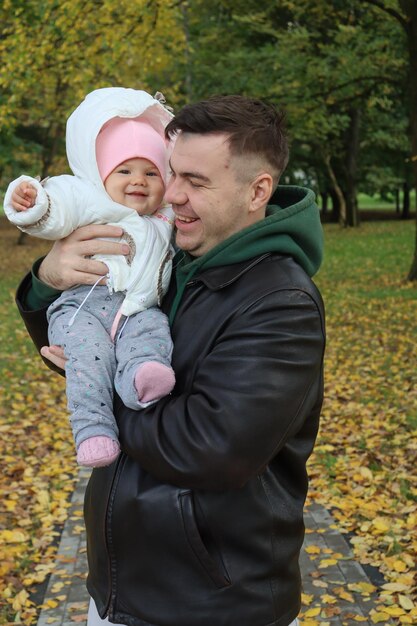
(200,520)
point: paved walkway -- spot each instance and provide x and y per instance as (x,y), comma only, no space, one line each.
(334,584)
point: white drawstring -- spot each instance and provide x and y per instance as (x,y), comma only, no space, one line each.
(70,323)
(121,330)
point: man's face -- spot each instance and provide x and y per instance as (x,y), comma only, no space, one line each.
(209,202)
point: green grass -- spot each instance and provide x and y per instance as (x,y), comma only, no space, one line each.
(369,262)
(367,203)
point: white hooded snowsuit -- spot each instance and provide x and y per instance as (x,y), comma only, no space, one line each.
(80,321)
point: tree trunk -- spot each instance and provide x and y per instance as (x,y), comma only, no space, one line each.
(48,153)
(412,274)
(21,238)
(410,9)
(406,201)
(409,25)
(335,206)
(397,200)
(352,212)
(338,191)
(324,202)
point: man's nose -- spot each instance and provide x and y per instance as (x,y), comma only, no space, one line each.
(174,193)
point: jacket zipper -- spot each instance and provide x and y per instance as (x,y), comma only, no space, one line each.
(112,590)
(237,276)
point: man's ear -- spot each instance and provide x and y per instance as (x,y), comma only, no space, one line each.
(261,191)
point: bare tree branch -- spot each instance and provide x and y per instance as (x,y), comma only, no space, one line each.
(380,5)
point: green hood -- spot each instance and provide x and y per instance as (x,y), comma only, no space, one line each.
(291,226)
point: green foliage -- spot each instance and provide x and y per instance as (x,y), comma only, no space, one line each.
(53,53)
(321,61)
(342,70)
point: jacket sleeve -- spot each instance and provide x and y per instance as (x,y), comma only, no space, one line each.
(253,392)
(35,320)
(62,205)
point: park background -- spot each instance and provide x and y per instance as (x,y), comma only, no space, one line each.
(346,74)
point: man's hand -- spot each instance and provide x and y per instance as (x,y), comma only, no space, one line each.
(68,263)
(55,354)
(24,197)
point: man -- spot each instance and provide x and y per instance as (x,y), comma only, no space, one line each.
(200,520)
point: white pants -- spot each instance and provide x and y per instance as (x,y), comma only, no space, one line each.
(94,618)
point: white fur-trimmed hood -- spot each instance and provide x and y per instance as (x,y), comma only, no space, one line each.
(95,110)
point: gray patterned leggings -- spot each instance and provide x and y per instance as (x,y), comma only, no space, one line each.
(95,364)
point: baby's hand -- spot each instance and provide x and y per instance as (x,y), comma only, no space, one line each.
(24,197)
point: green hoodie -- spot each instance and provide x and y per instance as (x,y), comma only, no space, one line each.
(291,226)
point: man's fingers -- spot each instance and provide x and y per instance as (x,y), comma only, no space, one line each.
(84,278)
(93,231)
(91,266)
(55,354)
(68,262)
(99,246)
(57,351)
(89,240)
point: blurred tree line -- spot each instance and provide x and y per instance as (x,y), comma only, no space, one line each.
(344,70)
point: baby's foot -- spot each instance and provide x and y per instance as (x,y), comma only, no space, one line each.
(153,380)
(97,451)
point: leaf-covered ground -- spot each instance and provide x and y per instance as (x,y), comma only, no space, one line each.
(36,449)
(364,465)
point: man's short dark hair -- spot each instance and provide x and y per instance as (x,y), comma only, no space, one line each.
(254,127)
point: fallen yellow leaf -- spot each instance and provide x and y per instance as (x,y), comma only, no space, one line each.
(406,602)
(20,599)
(366,473)
(13,536)
(52,604)
(381,524)
(327,563)
(306,598)
(344,595)
(362,587)
(395,587)
(377,618)
(399,566)
(395,611)
(328,599)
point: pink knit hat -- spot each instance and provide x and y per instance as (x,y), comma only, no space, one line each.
(124,138)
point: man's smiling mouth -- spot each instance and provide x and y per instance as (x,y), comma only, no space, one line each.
(186,220)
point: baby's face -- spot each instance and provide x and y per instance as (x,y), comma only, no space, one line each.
(136,183)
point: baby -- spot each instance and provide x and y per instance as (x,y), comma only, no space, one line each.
(113,335)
